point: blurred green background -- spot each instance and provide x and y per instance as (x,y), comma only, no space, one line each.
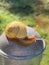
(34,13)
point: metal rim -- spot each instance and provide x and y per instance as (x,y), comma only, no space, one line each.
(22,57)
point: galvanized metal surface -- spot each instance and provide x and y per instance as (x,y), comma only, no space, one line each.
(34,61)
(14,54)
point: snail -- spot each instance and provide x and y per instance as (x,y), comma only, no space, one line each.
(16,31)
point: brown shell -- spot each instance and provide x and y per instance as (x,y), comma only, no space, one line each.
(16,30)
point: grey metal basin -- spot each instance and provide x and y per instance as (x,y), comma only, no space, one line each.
(13,54)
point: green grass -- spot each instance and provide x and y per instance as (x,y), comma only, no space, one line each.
(6,17)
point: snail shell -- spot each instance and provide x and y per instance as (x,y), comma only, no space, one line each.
(16,30)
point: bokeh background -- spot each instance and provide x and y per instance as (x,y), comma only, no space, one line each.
(34,13)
